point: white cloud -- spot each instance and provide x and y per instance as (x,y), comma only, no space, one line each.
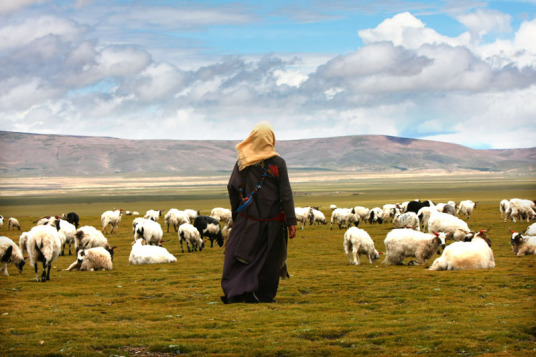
(9,6)
(481,22)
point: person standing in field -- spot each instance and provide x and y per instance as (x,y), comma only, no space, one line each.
(263,214)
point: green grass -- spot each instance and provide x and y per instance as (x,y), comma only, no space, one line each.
(328,307)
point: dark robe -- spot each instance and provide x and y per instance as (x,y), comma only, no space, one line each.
(257,246)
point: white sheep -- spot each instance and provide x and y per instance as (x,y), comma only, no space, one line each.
(375,215)
(520,209)
(454,227)
(135,222)
(317,217)
(503,207)
(13,223)
(332,207)
(303,214)
(149,254)
(466,208)
(43,246)
(10,253)
(176,218)
(150,231)
(405,242)
(356,242)
(192,214)
(1,220)
(523,244)
(531,230)
(389,212)
(89,237)
(191,236)
(23,239)
(153,215)
(344,217)
(66,232)
(424,215)
(92,259)
(221,214)
(112,218)
(407,220)
(475,254)
(361,212)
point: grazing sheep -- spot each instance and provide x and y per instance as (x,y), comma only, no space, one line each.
(407,220)
(522,244)
(221,214)
(403,243)
(43,246)
(453,226)
(13,223)
(520,209)
(356,242)
(112,218)
(153,215)
(361,212)
(150,231)
(66,231)
(466,208)
(149,254)
(209,227)
(375,215)
(474,254)
(90,237)
(317,217)
(303,214)
(344,218)
(10,253)
(192,214)
(176,218)
(72,218)
(191,236)
(92,259)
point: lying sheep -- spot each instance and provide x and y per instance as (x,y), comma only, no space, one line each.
(407,220)
(13,223)
(142,253)
(405,242)
(89,237)
(92,259)
(522,244)
(43,246)
(356,242)
(10,253)
(473,254)
(150,231)
(191,236)
(531,230)
(453,226)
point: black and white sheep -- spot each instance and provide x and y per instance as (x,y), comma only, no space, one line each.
(375,215)
(10,253)
(189,234)
(92,259)
(403,243)
(416,205)
(209,227)
(150,231)
(522,244)
(356,242)
(72,218)
(473,254)
(43,246)
(407,220)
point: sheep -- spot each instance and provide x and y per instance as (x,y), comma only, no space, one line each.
(407,220)
(522,244)
(317,217)
(473,254)
(375,215)
(192,214)
(453,226)
(112,218)
(153,215)
(424,215)
(135,222)
(405,242)
(416,205)
(12,222)
(1,220)
(90,237)
(43,246)
(221,214)
(208,226)
(503,207)
(92,259)
(466,208)
(176,218)
(303,214)
(344,218)
(10,253)
(389,211)
(446,208)
(150,231)
(361,212)
(356,242)
(226,232)
(149,254)
(72,218)
(522,209)
(332,207)
(531,230)
(43,220)
(66,231)
(23,239)
(191,236)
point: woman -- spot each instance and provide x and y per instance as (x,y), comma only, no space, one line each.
(263,208)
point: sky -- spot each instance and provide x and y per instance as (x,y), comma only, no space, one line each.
(456,71)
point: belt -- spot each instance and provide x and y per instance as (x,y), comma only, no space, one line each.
(281,217)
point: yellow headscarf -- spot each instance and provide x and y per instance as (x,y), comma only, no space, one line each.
(258,146)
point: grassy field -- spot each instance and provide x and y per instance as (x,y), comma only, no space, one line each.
(327,307)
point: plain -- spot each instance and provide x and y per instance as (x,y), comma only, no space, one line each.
(327,307)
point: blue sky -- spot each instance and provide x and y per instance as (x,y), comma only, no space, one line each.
(455,71)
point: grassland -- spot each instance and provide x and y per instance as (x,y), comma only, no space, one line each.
(328,307)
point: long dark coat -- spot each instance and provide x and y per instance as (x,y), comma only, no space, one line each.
(257,245)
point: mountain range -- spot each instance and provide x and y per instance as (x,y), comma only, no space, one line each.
(31,155)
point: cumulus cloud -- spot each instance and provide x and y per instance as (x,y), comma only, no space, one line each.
(9,6)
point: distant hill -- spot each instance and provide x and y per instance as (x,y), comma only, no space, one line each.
(24,155)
